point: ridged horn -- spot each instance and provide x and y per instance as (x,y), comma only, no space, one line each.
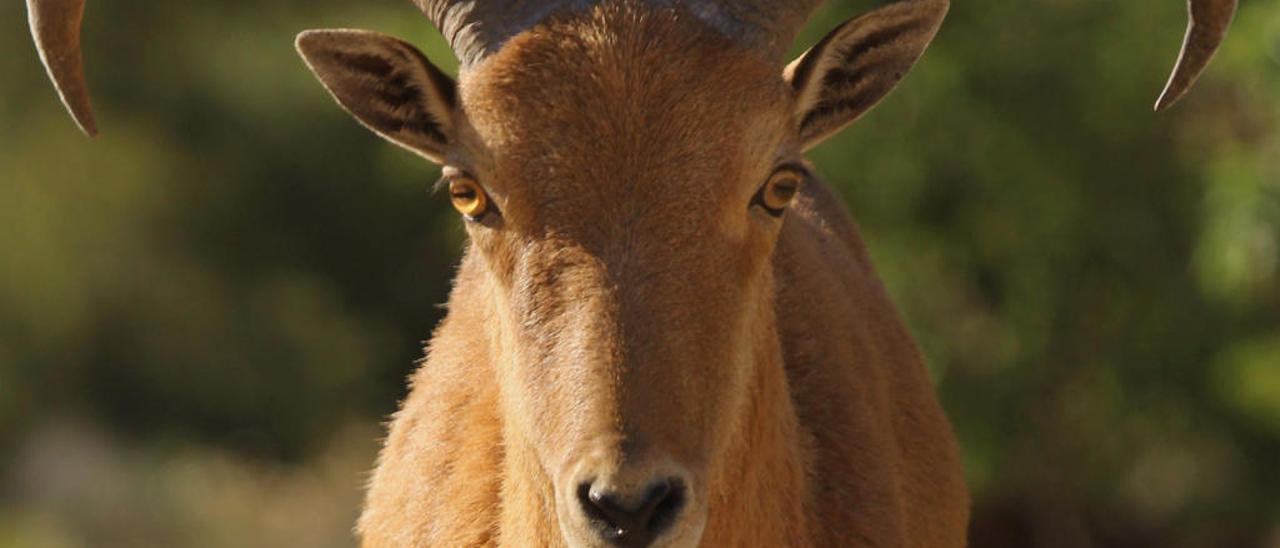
(1210,20)
(476,28)
(55,26)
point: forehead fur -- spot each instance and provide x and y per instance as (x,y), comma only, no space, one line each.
(624,94)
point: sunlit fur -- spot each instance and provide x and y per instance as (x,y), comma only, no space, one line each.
(629,311)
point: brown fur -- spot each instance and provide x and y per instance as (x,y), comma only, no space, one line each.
(629,313)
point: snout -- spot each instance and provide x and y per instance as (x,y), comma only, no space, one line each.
(631,506)
(632,519)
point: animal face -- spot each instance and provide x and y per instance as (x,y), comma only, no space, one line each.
(624,174)
(628,254)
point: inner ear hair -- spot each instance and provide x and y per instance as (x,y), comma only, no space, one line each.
(855,66)
(387,85)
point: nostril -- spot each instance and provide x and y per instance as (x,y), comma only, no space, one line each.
(668,506)
(628,521)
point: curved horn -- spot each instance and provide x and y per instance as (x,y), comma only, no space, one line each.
(769,24)
(55,26)
(1210,20)
(476,28)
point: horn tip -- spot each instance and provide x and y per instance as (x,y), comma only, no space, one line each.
(84,118)
(1167,99)
(77,105)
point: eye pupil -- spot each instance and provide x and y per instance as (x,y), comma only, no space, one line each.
(779,191)
(468,198)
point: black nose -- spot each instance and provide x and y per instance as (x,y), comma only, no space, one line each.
(632,521)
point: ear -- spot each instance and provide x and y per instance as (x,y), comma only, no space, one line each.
(387,84)
(858,64)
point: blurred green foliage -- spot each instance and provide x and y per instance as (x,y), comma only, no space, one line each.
(205,312)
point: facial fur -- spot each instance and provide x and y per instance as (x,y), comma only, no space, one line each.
(618,233)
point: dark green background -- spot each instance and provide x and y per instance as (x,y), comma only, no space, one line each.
(205,313)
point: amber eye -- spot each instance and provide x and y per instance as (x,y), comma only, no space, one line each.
(779,191)
(468,198)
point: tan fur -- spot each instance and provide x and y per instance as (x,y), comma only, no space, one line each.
(630,313)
